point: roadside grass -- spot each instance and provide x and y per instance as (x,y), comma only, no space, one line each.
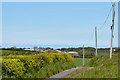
(79,71)
(104,67)
(79,61)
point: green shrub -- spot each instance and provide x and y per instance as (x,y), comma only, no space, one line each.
(45,63)
(13,67)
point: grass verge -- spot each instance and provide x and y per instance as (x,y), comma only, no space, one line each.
(79,61)
(104,67)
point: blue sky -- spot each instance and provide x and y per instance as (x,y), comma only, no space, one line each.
(57,24)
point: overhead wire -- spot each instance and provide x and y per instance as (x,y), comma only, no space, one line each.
(106,19)
(101,26)
(89,40)
(111,2)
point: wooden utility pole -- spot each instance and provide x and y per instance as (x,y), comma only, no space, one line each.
(112,28)
(83,54)
(96,39)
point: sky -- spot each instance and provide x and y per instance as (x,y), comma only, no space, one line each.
(57,24)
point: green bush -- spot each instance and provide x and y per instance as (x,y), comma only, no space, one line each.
(27,65)
(13,67)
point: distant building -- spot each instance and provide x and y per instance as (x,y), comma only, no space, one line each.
(43,50)
(56,51)
(73,53)
(113,50)
(29,49)
(49,50)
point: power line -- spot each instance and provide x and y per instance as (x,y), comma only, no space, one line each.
(111,2)
(101,26)
(106,19)
(89,40)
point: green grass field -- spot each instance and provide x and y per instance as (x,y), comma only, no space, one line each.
(79,61)
(14,52)
(104,67)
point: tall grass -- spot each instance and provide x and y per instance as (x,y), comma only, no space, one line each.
(79,61)
(104,67)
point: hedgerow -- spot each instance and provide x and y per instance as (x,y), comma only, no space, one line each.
(13,67)
(21,65)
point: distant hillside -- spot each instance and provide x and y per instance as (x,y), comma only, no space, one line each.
(104,67)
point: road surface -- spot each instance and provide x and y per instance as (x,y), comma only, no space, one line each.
(65,73)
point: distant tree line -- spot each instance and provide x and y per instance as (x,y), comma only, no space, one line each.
(14,48)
